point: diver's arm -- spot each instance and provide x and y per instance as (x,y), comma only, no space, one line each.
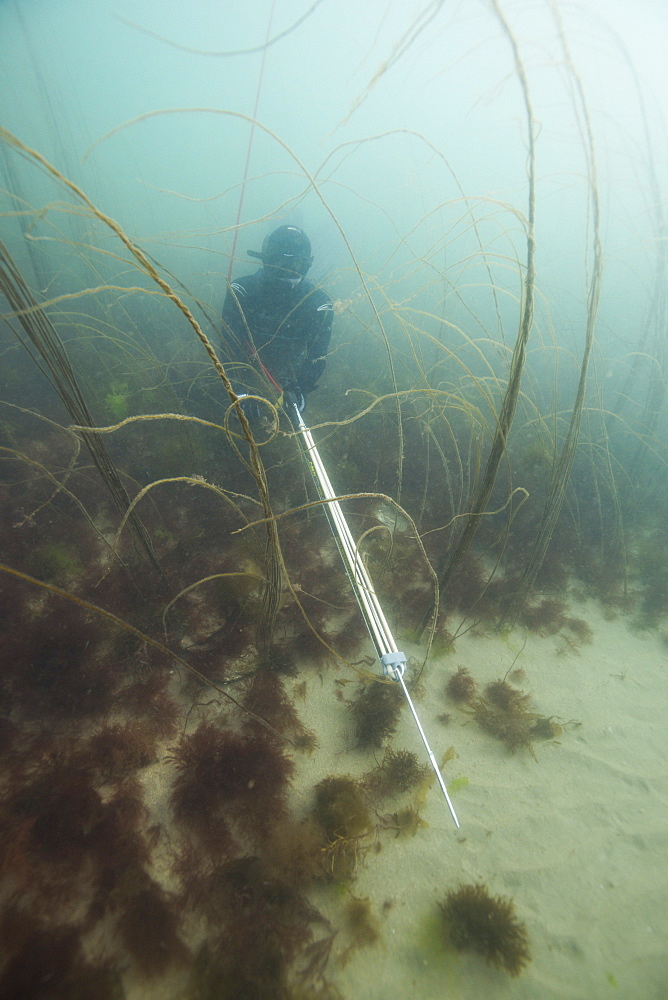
(316,360)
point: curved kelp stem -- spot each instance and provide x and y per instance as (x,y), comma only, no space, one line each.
(271,596)
(505,418)
(249,149)
(650,357)
(561,472)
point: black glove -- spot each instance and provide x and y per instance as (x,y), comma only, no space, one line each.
(251,407)
(292,395)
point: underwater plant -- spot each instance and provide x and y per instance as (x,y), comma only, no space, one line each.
(475,921)
(116,400)
(361,926)
(149,926)
(406,822)
(376,713)
(47,962)
(461,686)
(513,727)
(343,815)
(503,711)
(265,930)
(340,808)
(224,776)
(120,749)
(506,697)
(399,771)
(267,699)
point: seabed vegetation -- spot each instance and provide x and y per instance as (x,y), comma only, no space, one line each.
(174,621)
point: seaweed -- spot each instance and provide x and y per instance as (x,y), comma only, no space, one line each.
(546,729)
(310,647)
(475,921)
(580,629)
(360,924)
(48,964)
(344,817)
(297,851)
(56,670)
(54,561)
(350,635)
(406,822)
(376,712)
(546,618)
(118,750)
(398,772)
(506,697)
(278,659)
(513,726)
(65,849)
(118,850)
(461,686)
(149,700)
(504,712)
(340,808)
(225,775)
(266,698)
(149,927)
(267,930)
(58,809)
(222,975)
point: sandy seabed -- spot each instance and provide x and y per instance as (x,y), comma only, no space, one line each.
(577,837)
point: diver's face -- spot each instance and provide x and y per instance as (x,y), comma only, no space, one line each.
(286,267)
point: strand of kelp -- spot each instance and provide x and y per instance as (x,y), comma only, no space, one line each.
(562,470)
(271,596)
(509,404)
(43,336)
(249,150)
(650,357)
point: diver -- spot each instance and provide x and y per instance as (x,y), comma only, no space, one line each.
(279,319)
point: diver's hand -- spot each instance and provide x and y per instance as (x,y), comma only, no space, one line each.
(250,406)
(293,396)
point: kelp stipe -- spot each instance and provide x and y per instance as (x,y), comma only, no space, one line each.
(506,413)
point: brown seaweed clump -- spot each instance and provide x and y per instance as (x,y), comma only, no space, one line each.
(361,926)
(376,712)
(398,772)
(340,808)
(344,817)
(505,696)
(461,686)
(223,775)
(504,713)
(476,921)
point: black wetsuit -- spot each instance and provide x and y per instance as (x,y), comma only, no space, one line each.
(284,327)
